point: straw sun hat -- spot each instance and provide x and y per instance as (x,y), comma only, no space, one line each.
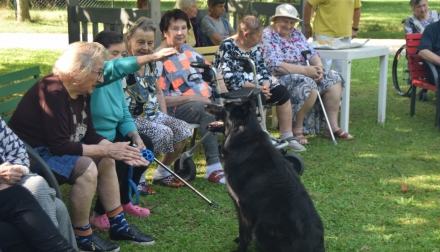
(286,10)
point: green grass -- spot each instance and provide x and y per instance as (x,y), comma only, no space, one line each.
(382,19)
(356,186)
(379,19)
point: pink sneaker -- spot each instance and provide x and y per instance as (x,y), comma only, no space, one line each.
(136,210)
(101,222)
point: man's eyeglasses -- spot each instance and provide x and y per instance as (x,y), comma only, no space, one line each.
(100,73)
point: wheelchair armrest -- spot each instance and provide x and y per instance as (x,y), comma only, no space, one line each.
(45,170)
(433,71)
(241,93)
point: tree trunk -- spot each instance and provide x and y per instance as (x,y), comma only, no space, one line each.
(23,11)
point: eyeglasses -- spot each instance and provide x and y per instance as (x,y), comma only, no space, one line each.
(100,73)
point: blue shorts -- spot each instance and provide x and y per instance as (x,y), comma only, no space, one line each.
(61,165)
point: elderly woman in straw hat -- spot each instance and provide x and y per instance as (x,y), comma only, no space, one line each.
(281,47)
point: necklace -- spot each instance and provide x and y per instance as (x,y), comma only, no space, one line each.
(81,128)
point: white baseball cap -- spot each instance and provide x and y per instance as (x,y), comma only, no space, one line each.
(286,10)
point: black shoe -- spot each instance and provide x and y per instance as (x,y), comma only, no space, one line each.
(134,235)
(98,245)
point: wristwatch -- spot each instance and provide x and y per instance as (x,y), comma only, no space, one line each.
(355,29)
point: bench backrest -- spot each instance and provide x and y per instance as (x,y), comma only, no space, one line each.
(12,87)
(417,66)
(207,52)
(79,17)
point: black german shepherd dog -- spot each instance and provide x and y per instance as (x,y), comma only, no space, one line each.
(272,204)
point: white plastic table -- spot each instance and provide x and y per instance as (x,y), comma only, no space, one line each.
(346,55)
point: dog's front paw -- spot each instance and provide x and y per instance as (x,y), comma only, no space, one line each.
(237,240)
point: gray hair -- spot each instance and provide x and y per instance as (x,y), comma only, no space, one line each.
(185,3)
(77,60)
(250,23)
(413,3)
(144,23)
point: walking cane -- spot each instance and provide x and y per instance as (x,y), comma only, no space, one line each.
(304,54)
(148,155)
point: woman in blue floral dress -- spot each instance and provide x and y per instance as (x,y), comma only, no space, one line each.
(281,47)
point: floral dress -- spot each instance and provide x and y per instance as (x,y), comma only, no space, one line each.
(276,49)
(140,93)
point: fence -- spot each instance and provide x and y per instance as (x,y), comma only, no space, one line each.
(62,4)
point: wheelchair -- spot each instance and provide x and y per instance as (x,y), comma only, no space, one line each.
(400,73)
(184,166)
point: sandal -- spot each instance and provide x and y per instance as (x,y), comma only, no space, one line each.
(170,181)
(216,176)
(301,138)
(145,189)
(339,134)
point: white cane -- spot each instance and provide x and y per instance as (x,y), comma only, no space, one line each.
(304,54)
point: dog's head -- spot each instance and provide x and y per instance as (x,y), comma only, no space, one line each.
(232,115)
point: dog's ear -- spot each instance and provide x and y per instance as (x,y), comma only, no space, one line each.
(247,102)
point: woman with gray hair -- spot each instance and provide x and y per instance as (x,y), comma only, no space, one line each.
(245,44)
(190,8)
(58,108)
(421,17)
(146,104)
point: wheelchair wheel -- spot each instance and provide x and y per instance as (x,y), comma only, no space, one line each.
(423,95)
(296,161)
(188,171)
(401,75)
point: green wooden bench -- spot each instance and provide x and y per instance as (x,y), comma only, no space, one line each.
(12,88)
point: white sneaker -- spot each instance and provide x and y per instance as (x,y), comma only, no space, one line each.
(295,146)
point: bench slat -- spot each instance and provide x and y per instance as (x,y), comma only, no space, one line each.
(17,87)
(9,104)
(21,74)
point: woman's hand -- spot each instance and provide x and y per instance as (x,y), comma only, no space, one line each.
(165,53)
(122,151)
(314,72)
(265,90)
(10,174)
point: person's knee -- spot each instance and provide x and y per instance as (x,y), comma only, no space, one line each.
(34,183)
(89,176)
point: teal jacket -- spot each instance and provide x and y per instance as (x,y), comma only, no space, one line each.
(108,104)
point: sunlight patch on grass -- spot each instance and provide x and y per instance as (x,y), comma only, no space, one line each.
(405,130)
(367,155)
(410,220)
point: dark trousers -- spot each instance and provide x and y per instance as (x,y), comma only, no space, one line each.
(122,171)
(24,226)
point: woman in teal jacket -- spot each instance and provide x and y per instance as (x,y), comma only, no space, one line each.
(112,119)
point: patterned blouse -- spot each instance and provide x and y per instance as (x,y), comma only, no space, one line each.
(178,78)
(411,27)
(12,149)
(234,74)
(276,49)
(140,92)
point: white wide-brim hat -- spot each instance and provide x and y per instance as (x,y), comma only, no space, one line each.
(286,10)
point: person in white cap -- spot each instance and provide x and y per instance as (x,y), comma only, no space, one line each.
(334,19)
(282,46)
